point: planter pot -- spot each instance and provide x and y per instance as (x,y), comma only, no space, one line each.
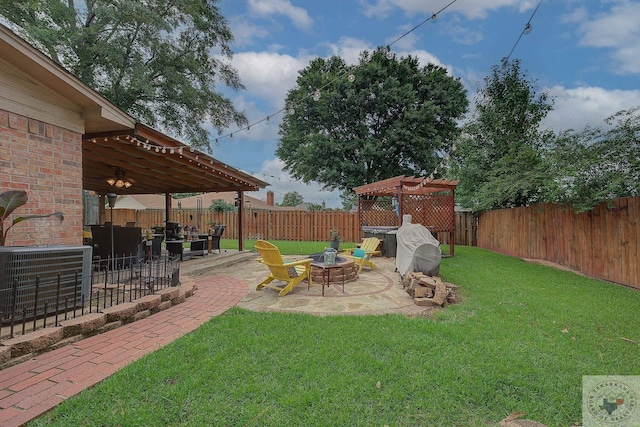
(335,244)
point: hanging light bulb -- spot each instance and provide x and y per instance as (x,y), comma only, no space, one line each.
(316,95)
(527,28)
(268,118)
(389,55)
(292,110)
(434,17)
(217,142)
(351,78)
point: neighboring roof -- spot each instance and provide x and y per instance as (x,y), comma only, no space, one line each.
(155,162)
(156,201)
(408,185)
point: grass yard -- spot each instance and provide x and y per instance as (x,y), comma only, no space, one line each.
(286,247)
(521,340)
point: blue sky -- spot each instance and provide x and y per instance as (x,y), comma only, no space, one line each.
(586,54)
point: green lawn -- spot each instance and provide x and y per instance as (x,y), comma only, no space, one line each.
(286,247)
(520,340)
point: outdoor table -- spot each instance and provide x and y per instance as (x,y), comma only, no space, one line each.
(175,247)
(326,272)
(198,247)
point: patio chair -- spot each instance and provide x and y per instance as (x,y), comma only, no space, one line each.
(291,273)
(363,254)
(217,235)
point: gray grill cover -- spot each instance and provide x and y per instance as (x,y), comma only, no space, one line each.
(417,250)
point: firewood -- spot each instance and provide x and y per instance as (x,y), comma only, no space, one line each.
(440,294)
(422,291)
(426,302)
(428,281)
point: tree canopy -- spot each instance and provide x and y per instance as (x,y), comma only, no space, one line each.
(157,60)
(498,159)
(292,198)
(346,126)
(597,165)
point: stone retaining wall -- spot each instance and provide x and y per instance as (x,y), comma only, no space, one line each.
(23,347)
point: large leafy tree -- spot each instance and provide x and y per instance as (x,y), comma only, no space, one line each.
(157,60)
(597,165)
(292,198)
(499,157)
(346,126)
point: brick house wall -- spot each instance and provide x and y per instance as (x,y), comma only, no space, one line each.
(46,161)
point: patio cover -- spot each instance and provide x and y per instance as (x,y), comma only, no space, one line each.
(156,163)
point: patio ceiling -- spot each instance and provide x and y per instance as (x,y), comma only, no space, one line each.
(156,163)
(407,185)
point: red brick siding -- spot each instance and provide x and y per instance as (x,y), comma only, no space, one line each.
(46,162)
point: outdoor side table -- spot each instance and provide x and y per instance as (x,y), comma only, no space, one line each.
(326,272)
(198,247)
(175,247)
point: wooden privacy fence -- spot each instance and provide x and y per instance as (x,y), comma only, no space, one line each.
(603,243)
(276,224)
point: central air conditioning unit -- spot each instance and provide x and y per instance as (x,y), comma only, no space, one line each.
(25,265)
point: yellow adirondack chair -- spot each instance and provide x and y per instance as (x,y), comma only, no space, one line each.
(291,273)
(362,255)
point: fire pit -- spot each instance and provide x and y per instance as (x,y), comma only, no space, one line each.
(335,274)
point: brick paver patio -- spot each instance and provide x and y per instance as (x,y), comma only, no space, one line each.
(31,388)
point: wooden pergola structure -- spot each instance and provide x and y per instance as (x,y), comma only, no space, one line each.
(430,202)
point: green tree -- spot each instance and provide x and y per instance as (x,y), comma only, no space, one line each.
(499,157)
(292,198)
(350,125)
(597,165)
(157,60)
(220,205)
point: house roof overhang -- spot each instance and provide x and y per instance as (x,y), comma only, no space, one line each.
(405,185)
(98,113)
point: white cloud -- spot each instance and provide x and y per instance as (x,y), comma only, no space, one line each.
(269,75)
(244,32)
(619,31)
(298,16)
(576,108)
(282,183)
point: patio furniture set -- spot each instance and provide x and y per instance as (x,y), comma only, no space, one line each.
(348,264)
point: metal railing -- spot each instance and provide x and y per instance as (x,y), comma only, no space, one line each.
(35,304)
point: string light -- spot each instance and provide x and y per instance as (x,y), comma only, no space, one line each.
(526,30)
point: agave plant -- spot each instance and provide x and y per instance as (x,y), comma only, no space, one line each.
(9,202)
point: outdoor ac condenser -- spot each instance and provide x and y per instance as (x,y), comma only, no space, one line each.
(23,264)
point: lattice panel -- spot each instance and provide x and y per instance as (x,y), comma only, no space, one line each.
(434,211)
(378,212)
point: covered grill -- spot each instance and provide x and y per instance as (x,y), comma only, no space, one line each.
(417,249)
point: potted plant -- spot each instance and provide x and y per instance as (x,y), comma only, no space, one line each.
(9,202)
(334,239)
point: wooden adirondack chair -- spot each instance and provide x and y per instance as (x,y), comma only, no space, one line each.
(291,273)
(362,255)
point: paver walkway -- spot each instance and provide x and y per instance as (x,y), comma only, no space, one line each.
(31,388)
